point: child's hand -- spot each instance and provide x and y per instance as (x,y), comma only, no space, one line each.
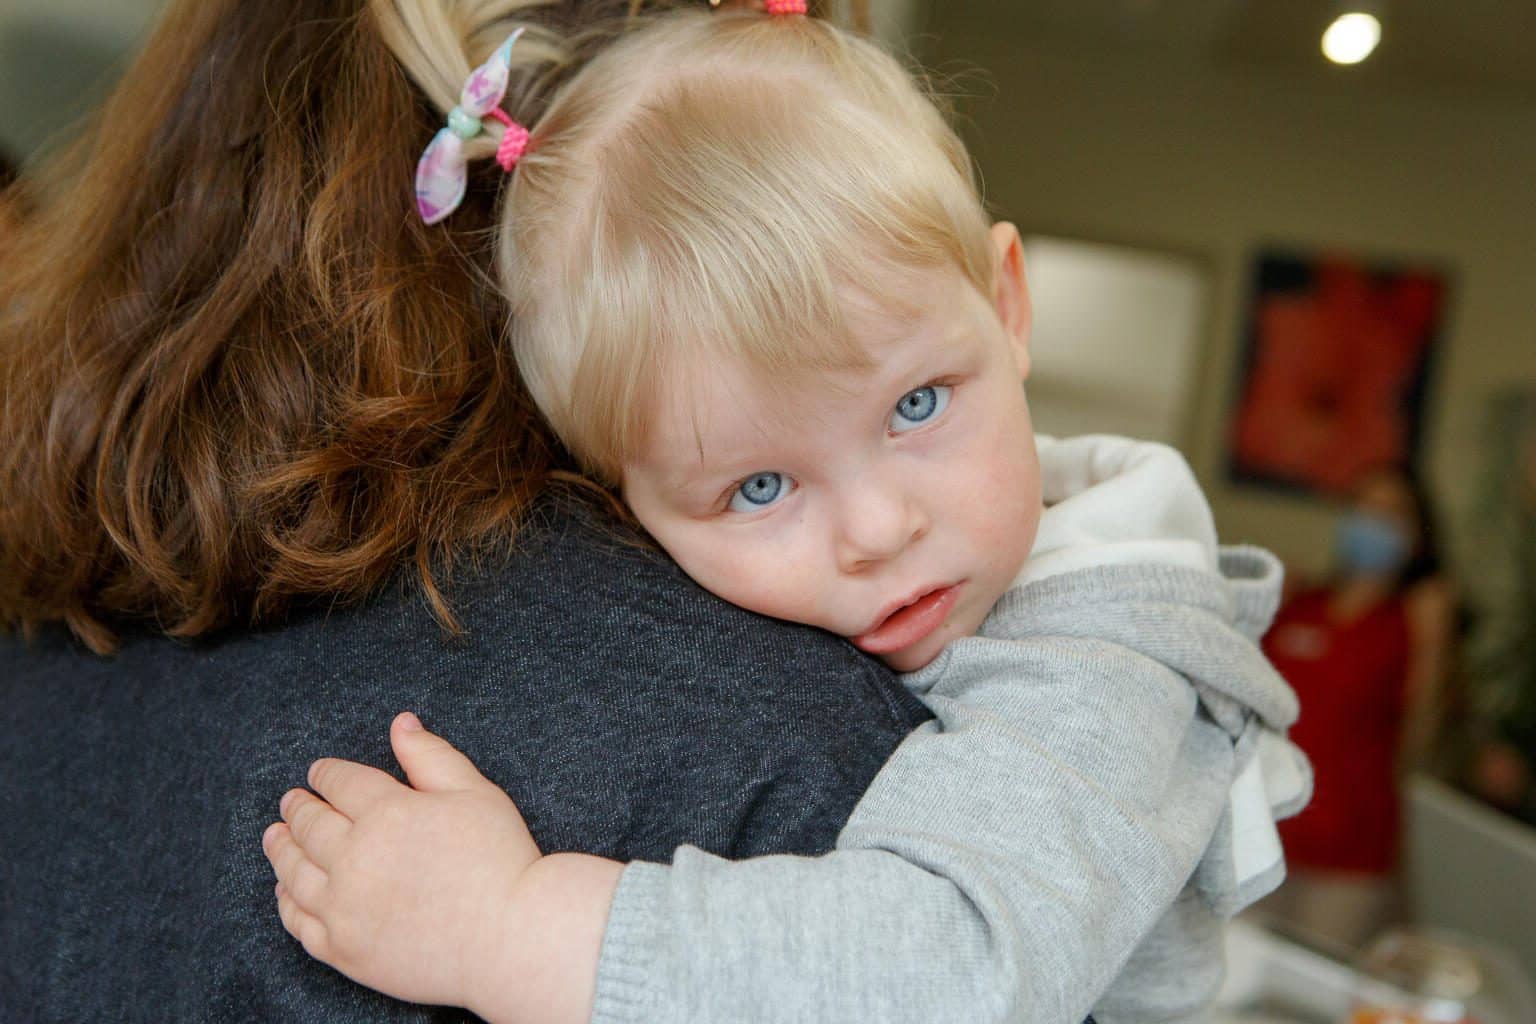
(407,889)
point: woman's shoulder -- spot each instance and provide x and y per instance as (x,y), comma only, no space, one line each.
(577,569)
(578,599)
(585,592)
(627,710)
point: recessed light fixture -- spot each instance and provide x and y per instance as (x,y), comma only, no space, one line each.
(1352,37)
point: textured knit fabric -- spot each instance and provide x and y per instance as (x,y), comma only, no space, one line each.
(1015,851)
(1118,501)
(625,709)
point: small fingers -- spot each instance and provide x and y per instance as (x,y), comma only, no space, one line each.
(302,925)
(301,877)
(317,827)
(350,787)
(431,763)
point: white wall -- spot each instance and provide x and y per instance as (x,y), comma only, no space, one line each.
(1088,298)
(1214,164)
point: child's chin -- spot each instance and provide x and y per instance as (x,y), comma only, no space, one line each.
(910,660)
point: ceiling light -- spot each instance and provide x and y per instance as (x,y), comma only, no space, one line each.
(1351,38)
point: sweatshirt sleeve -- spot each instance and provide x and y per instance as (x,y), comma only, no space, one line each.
(1001,867)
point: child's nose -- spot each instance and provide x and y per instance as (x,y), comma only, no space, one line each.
(878,523)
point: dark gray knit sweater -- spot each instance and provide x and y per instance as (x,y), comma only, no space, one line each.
(626,710)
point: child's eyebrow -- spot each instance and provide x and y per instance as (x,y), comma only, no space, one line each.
(698,492)
(699,475)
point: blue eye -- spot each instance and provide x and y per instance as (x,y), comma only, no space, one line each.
(758,491)
(919,406)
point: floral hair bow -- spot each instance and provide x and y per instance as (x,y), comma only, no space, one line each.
(442,174)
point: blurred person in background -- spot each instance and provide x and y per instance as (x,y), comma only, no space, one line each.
(1368,654)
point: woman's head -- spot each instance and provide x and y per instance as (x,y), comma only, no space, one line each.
(721,186)
(1390,530)
(234,370)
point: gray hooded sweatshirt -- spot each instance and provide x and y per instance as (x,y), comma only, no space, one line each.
(1095,795)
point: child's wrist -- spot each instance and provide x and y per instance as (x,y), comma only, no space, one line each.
(544,964)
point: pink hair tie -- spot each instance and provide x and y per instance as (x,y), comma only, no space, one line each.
(777,6)
(514,141)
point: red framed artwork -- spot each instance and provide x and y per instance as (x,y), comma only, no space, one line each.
(1336,367)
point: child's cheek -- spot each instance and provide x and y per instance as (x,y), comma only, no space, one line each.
(1014,500)
(764,578)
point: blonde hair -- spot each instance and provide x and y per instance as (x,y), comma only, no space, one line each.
(708,186)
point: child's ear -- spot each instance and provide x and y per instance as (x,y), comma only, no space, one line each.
(1010,295)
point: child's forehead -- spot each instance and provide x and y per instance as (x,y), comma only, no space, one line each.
(890,301)
(710,399)
(883,334)
(733,403)
(913,319)
(711,408)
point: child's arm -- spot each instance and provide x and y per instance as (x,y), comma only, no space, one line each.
(1012,853)
(952,898)
(1001,867)
(435,892)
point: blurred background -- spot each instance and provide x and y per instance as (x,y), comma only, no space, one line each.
(1317,280)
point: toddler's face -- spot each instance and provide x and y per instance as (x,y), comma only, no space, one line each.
(892,505)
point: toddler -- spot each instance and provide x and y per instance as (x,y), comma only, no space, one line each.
(755,290)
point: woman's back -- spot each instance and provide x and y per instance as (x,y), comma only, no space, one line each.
(248,400)
(625,709)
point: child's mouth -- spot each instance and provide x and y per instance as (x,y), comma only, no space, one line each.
(910,623)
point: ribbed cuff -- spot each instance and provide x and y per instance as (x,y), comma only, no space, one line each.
(1254,577)
(626,963)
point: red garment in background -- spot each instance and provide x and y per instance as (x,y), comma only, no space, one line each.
(1350,677)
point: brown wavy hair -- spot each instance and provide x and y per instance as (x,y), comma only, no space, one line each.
(236,372)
